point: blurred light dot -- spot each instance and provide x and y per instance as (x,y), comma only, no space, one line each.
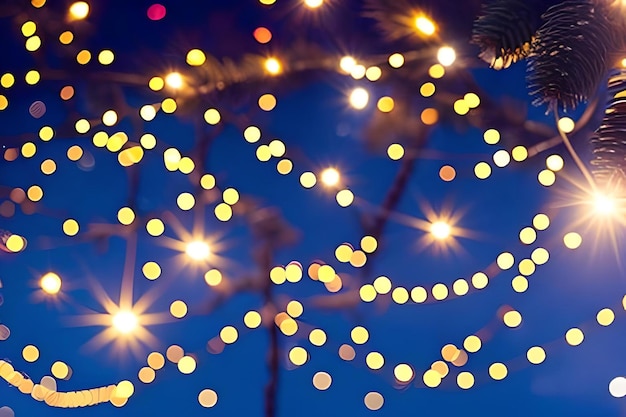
(346,352)
(207,398)
(447,173)
(298,356)
(67,92)
(262,35)
(70,227)
(396,60)
(359,97)
(330,177)
(460,287)
(472,344)
(440,230)
(617,387)
(541,221)
(198,250)
(317,337)
(491,136)
(425,25)
(536,355)
(126,216)
(252,134)
(461,108)
(178,309)
(60,370)
(440,291)
(367,293)
(373,73)
(472,100)
(30,353)
(374,401)
(482,170)
(429,116)
(32,77)
(294,309)
(501,158)
(427,89)
(527,235)
(212,116)
(359,335)
(345,198)
(400,295)
(83,57)
(273,66)
(185,201)
(229,334)
(106,57)
(146,375)
(322,380)
(374,360)
(7,80)
(28,28)
(465,380)
(151,270)
(195,57)
(35,193)
(605,317)
(33,43)
(395,151)
(313,4)
(498,371)
(572,240)
(480,280)
(79,10)
(156,12)
(432,378)
(505,261)
(66,37)
(156,83)
(555,163)
(267,102)
(446,56)
(50,283)
(252,319)
(519,153)
(82,126)
(519,284)
(213,277)
(308,180)
(546,178)
(419,294)
(566,124)
(382,285)
(207,181)
(512,318)
(403,373)
(574,336)
(347,64)
(174,353)
(186,365)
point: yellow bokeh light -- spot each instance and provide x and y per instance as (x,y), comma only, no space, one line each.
(185,201)
(32,77)
(480,280)
(15,243)
(212,116)
(396,60)
(536,355)
(373,73)
(156,83)
(178,309)
(82,126)
(519,153)
(472,344)
(308,180)
(28,150)
(403,373)
(505,261)
(572,240)
(526,267)
(156,360)
(317,337)
(472,100)
(223,212)
(359,335)
(28,28)
(400,295)
(48,167)
(546,178)
(186,365)
(298,356)
(252,134)
(252,319)
(382,285)
(574,336)
(345,198)
(151,270)
(229,334)
(491,136)
(498,371)
(267,102)
(501,158)
(7,80)
(30,353)
(33,43)
(566,124)
(284,166)
(106,57)
(126,216)
(465,380)
(519,284)
(79,10)
(431,378)
(295,309)
(35,193)
(83,57)
(440,291)
(541,221)
(169,105)
(207,181)
(460,287)
(60,370)
(527,235)
(437,71)
(419,294)
(605,317)
(66,37)
(125,322)
(277,148)
(195,57)
(146,375)
(374,360)
(482,170)
(213,277)
(70,227)
(461,108)
(395,151)
(147,112)
(512,318)
(322,380)
(207,397)
(555,163)
(367,293)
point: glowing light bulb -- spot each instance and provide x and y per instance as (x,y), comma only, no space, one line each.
(125,322)
(440,230)
(446,56)
(425,25)
(50,283)
(330,177)
(174,80)
(273,66)
(604,204)
(359,97)
(198,250)
(79,10)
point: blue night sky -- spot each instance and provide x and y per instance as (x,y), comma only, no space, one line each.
(315,121)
